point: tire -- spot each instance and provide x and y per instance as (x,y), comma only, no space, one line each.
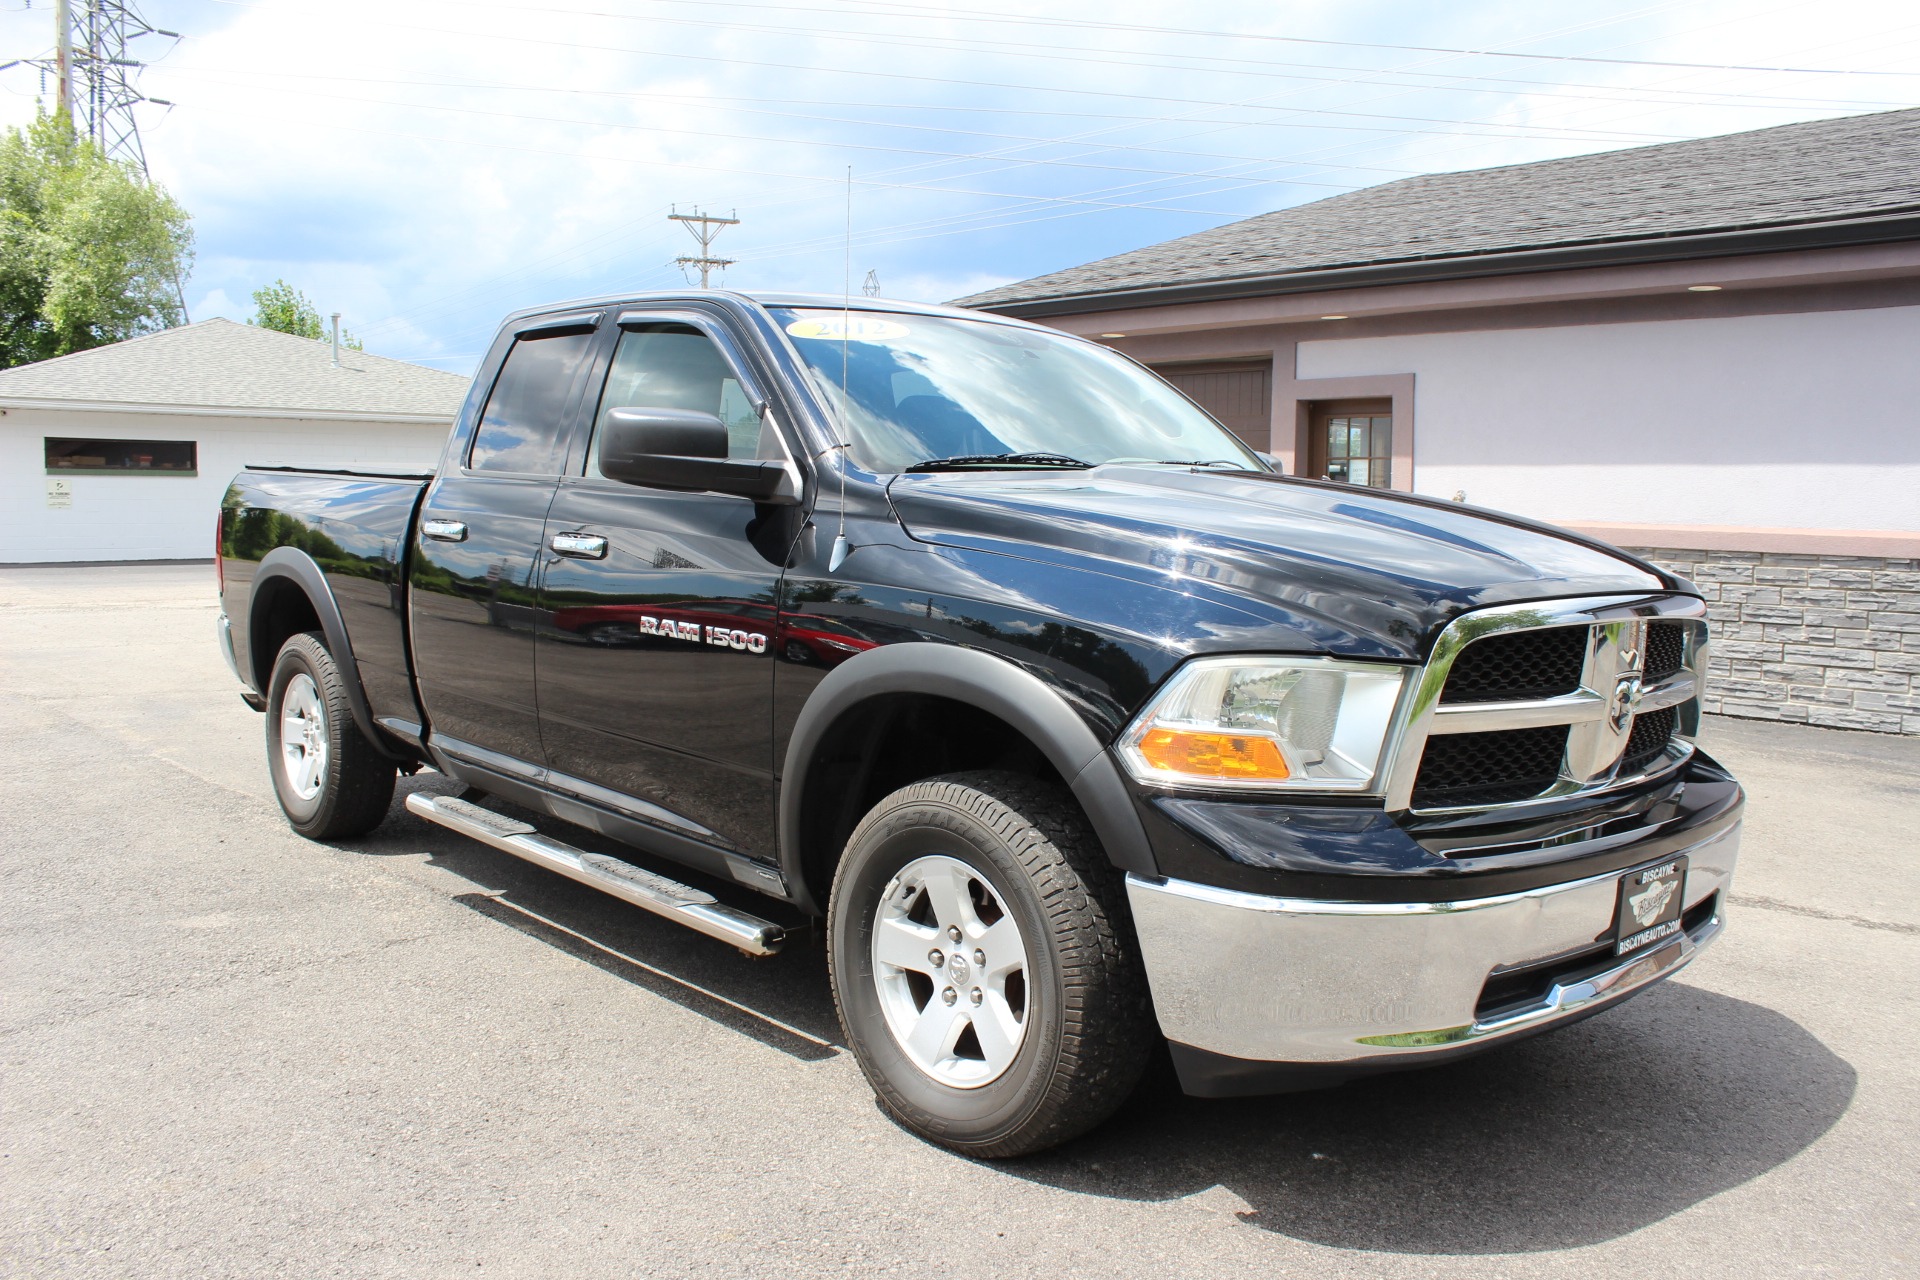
(332,783)
(1056,1044)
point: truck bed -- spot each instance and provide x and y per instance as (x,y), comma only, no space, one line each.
(355,525)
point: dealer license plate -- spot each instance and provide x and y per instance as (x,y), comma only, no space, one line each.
(1650,903)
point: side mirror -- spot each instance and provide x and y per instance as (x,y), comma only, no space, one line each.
(686,450)
(1279,467)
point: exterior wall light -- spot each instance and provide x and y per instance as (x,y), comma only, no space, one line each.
(1113,335)
(1333,317)
(1703,288)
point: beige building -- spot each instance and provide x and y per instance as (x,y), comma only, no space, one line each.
(1707,350)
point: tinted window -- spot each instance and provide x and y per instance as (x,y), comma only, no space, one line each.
(675,366)
(176,456)
(523,426)
(911,387)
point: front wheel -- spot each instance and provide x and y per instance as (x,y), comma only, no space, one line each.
(984,965)
(332,783)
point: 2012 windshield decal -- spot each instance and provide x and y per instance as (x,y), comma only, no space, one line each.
(700,633)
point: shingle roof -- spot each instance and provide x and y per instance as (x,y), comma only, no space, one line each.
(1823,170)
(227,367)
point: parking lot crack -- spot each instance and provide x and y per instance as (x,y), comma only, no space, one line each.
(1815,913)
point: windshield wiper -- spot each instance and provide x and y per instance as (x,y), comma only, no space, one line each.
(1182,462)
(960,461)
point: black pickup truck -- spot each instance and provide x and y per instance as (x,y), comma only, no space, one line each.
(1070,725)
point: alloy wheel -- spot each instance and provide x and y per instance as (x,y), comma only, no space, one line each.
(950,966)
(303,736)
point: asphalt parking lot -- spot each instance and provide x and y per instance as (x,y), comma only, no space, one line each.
(231,1052)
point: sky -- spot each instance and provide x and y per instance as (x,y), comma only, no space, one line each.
(425,166)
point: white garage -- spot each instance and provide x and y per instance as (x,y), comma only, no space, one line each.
(123,452)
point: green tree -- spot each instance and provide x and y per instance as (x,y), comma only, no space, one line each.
(90,252)
(282,307)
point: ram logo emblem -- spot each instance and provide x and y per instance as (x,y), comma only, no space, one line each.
(700,633)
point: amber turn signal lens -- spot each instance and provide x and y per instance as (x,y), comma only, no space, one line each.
(1213,755)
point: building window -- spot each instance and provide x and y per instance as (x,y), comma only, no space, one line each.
(123,457)
(1353,443)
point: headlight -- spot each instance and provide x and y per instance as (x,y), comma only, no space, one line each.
(1305,724)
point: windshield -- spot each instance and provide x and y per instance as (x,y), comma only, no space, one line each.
(929,388)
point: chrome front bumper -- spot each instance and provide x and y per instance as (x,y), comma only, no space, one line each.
(1289,980)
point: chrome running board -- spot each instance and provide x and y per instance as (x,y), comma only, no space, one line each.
(683,904)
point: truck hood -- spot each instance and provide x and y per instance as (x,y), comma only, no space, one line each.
(1352,570)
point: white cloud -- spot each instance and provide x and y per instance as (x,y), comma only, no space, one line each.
(423,166)
(214,303)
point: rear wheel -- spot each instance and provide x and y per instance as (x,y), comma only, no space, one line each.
(984,965)
(332,783)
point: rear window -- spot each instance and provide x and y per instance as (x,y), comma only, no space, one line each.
(523,427)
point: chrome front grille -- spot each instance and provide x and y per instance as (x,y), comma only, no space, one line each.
(1497,767)
(1652,731)
(1541,663)
(1666,649)
(1537,702)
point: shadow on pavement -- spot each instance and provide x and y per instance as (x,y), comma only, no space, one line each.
(782,1001)
(1570,1139)
(739,1016)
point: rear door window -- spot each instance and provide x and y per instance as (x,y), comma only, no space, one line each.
(524,426)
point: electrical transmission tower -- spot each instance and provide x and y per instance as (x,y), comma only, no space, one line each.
(94,73)
(871,285)
(703,228)
(94,69)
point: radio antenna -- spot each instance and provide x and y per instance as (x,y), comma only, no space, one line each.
(841,547)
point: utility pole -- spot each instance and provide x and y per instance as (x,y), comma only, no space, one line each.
(63,56)
(704,228)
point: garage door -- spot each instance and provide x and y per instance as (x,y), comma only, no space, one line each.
(1240,395)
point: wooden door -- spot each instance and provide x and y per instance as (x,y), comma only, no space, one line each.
(1240,395)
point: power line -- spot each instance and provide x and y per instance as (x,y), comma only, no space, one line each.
(735,60)
(948,157)
(719,103)
(1587,135)
(877,8)
(1265,67)
(1161,179)
(1729,99)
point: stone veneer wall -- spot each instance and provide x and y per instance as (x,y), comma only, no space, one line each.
(1814,639)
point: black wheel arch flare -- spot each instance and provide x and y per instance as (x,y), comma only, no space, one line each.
(304,574)
(1001,688)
